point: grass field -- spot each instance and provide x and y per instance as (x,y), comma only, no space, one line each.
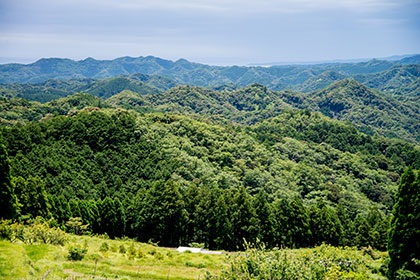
(125,259)
(141,261)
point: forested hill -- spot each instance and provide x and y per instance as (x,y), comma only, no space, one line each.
(369,110)
(104,88)
(138,164)
(405,77)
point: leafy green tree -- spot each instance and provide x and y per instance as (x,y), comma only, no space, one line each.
(74,207)
(349,231)
(404,236)
(8,199)
(33,197)
(191,200)
(76,224)
(120,218)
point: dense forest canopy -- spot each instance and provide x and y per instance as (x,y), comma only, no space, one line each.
(142,155)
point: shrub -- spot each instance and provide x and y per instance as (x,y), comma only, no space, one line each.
(76,253)
(122,249)
(104,247)
(323,262)
(131,251)
(37,232)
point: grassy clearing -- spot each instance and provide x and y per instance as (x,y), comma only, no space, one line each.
(125,259)
(140,261)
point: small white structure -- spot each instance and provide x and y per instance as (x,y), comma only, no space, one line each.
(191,249)
(198,250)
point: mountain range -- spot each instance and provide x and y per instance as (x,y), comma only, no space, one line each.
(402,75)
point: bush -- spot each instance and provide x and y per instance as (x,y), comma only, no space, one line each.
(196,245)
(37,232)
(122,249)
(323,262)
(104,247)
(131,251)
(76,253)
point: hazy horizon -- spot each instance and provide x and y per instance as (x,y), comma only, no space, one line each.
(313,62)
(216,32)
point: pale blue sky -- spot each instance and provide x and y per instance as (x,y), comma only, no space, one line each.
(222,32)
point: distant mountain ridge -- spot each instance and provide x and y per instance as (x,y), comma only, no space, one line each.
(296,77)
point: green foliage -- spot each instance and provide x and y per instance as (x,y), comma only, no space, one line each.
(323,262)
(77,226)
(161,215)
(122,249)
(177,180)
(76,253)
(8,199)
(33,197)
(404,236)
(104,247)
(36,232)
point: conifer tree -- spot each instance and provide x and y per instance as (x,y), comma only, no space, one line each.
(243,219)
(299,224)
(223,227)
(108,216)
(281,223)
(404,236)
(120,218)
(263,217)
(325,225)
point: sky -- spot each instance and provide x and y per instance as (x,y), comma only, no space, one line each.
(217,32)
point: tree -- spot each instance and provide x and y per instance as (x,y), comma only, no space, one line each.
(299,224)
(281,225)
(223,227)
(162,214)
(33,197)
(364,235)
(8,200)
(77,226)
(404,235)
(108,216)
(243,219)
(325,225)
(263,217)
(120,215)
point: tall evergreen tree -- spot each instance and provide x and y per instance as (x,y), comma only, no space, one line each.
(299,224)
(364,235)
(404,236)
(263,218)
(8,199)
(281,224)
(120,215)
(325,225)
(243,219)
(108,216)
(162,214)
(223,227)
